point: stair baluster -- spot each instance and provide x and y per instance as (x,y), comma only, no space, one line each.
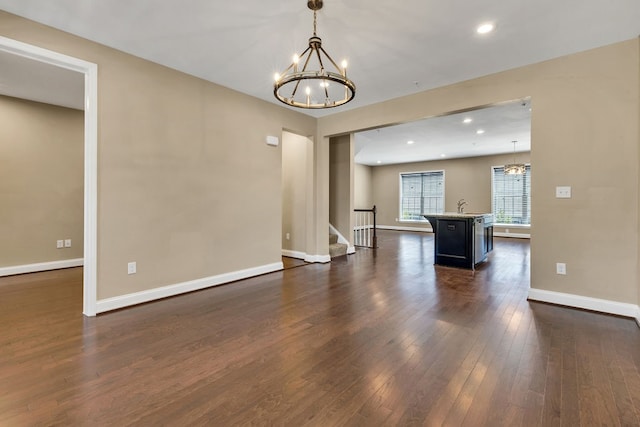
(364,232)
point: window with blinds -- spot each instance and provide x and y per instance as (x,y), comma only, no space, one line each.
(511,197)
(421,193)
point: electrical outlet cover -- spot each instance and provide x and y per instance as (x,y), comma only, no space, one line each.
(563,192)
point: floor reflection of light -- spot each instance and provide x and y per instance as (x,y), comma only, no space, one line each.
(410,351)
(478,373)
(378,382)
(380,299)
(514,322)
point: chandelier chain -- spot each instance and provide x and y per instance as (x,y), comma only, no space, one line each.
(315,23)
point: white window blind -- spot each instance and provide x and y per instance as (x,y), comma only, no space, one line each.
(511,201)
(421,193)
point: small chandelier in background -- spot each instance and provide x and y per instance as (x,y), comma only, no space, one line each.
(514,168)
(314,86)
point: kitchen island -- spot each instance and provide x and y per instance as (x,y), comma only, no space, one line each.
(461,239)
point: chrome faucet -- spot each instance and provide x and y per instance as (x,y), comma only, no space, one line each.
(461,204)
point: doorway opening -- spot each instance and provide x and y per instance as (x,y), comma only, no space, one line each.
(297,153)
(90,71)
(437,164)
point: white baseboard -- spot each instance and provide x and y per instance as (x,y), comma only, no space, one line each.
(294,254)
(516,235)
(318,258)
(399,228)
(181,288)
(587,303)
(351,250)
(42,266)
(310,258)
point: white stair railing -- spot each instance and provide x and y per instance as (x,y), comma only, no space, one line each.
(364,228)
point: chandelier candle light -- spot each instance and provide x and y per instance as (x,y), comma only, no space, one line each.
(321,88)
(514,168)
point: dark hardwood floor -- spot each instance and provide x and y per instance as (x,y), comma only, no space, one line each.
(378,338)
(288,262)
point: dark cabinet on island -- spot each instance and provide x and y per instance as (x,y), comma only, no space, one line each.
(461,240)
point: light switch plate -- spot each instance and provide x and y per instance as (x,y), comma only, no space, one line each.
(59,244)
(561,268)
(563,192)
(67,243)
(131,268)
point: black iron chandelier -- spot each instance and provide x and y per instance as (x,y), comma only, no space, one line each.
(312,85)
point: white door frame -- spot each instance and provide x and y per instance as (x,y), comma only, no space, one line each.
(90,71)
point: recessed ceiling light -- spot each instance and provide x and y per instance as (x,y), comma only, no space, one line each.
(480,131)
(443,155)
(467,120)
(410,142)
(379,161)
(485,28)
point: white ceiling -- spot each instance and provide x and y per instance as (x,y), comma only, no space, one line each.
(490,131)
(394,48)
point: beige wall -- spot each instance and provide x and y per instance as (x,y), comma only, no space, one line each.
(41,182)
(362,187)
(294,191)
(468,178)
(184,172)
(187,187)
(584,134)
(340,185)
